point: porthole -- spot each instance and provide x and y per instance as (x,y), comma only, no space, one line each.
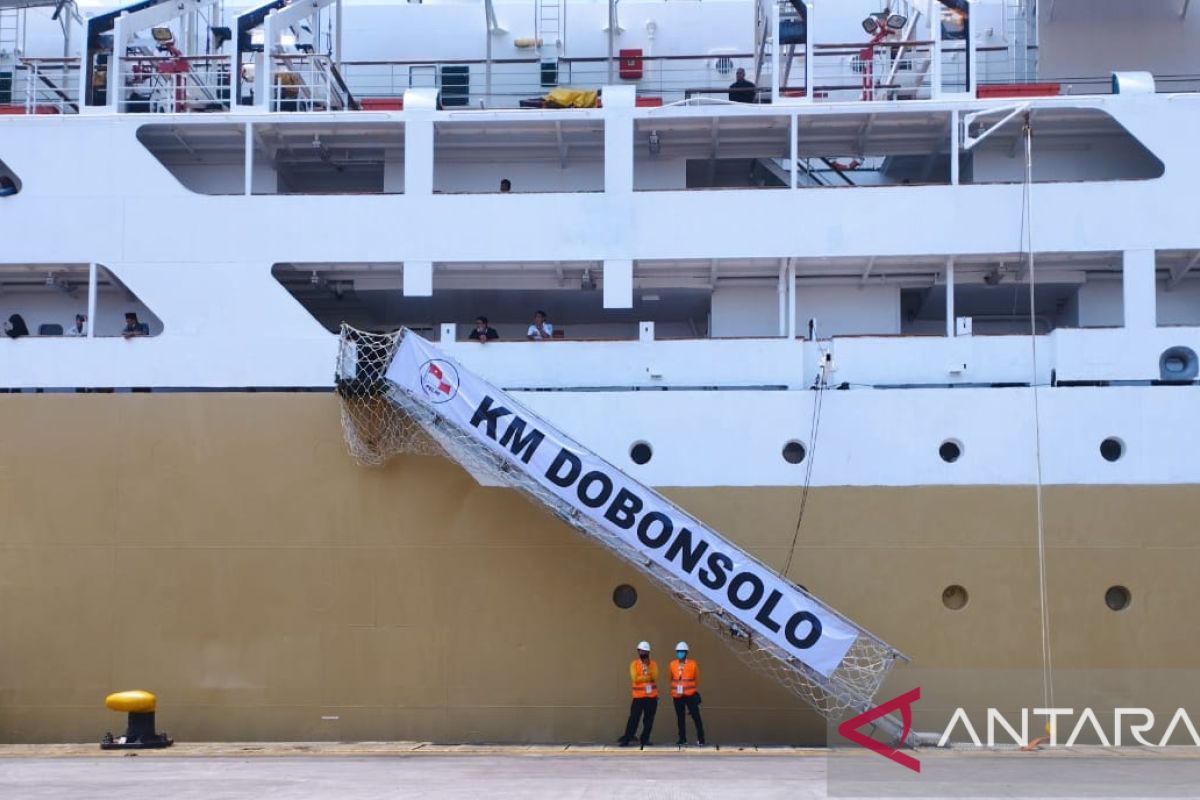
(1112,448)
(954,597)
(641,453)
(794,452)
(950,451)
(1117,598)
(624,596)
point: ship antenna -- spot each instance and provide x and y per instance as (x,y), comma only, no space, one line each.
(1027,248)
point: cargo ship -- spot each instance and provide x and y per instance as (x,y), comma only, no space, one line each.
(900,297)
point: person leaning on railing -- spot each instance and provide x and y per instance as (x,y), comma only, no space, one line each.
(133,327)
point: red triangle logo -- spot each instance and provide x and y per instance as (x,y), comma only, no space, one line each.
(850,728)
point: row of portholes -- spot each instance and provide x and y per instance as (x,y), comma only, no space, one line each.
(954,597)
(951,450)
(1117,598)
(1111,449)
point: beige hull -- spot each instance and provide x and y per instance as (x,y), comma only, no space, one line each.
(223,551)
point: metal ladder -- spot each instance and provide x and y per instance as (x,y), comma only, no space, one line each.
(10,34)
(550,28)
(1020,31)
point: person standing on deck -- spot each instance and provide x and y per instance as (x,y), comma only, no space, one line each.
(685,693)
(742,90)
(643,675)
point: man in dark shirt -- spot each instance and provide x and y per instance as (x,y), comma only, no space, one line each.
(741,90)
(133,327)
(482,332)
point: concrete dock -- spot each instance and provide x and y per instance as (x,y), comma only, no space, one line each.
(369,770)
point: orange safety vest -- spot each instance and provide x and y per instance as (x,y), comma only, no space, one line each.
(684,678)
(643,676)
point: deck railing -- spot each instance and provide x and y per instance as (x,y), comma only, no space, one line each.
(308,82)
(173,84)
(44,86)
(845,72)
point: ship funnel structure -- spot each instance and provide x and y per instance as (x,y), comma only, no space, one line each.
(400,394)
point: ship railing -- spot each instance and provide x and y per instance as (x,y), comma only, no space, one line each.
(846,72)
(842,72)
(44,86)
(169,84)
(500,83)
(308,82)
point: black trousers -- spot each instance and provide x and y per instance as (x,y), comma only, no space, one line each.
(692,706)
(645,708)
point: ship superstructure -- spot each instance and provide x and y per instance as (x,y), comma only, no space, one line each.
(914,319)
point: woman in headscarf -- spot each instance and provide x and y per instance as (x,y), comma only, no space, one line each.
(15,327)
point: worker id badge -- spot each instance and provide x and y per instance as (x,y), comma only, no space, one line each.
(649,688)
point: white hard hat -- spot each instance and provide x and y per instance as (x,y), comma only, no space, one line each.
(644,646)
(681,646)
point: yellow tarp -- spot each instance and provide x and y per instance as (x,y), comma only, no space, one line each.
(562,97)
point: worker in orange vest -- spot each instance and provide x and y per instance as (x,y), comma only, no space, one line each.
(685,692)
(643,675)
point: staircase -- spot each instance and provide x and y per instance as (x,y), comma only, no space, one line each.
(401,395)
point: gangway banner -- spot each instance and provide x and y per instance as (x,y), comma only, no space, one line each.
(656,527)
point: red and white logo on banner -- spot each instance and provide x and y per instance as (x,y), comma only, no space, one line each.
(439,379)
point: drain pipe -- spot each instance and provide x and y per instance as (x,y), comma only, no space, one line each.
(782,292)
(791,301)
(950,322)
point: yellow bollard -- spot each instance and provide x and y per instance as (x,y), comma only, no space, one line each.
(139,734)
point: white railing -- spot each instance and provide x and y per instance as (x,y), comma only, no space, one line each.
(884,71)
(306,82)
(45,86)
(173,84)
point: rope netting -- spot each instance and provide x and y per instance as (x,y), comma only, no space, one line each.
(381,421)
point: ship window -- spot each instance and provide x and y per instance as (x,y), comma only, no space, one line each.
(954,597)
(1086,145)
(10,184)
(624,596)
(561,155)
(293,157)
(47,298)
(950,451)
(794,452)
(641,453)
(1112,448)
(1117,598)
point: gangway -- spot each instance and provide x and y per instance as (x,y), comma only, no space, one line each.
(400,394)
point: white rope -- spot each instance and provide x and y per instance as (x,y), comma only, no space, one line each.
(1027,245)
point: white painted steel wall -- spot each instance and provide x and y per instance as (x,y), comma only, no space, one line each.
(1097,304)
(1095,37)
(888,438)
(839,310)
(1180,305)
